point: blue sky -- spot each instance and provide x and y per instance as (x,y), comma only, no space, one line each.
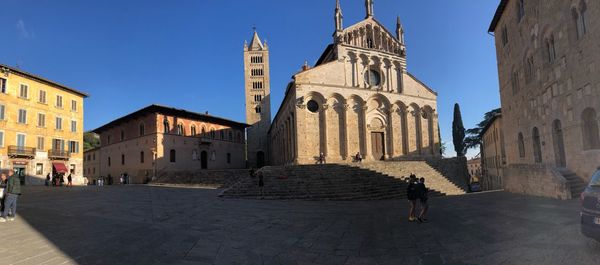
(188,54)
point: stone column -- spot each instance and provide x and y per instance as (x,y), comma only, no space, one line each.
(390,132)
(344,127)
(365,147)
(323,129)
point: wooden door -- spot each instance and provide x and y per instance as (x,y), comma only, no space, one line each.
(377,145)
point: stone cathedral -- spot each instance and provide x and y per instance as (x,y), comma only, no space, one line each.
(357,98)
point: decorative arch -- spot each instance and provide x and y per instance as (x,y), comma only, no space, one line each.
(537,146)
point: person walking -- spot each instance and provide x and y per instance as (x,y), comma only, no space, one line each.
(2,190)
(261,183)
(70,181)
(322,158)
(411,194)
(13,191)
(47,183)
(422,193)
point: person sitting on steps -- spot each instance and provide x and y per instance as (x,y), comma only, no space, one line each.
(321,159)
(358,158)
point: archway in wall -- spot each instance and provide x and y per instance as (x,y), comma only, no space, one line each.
(559,146)
(260,159)
(204,160)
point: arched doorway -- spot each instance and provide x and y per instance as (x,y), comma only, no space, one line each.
(260,159)
(559,146)
(204,160)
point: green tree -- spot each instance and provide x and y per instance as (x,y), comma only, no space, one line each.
(90,141)
(458,132)
(474,137)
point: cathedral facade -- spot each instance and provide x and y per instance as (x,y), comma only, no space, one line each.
(357,99)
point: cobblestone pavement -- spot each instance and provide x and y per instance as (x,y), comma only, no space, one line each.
(158,225)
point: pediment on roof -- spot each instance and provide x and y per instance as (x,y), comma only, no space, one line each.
(371,24)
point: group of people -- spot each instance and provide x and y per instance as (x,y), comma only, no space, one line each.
(417,191)
(58,180)
(10,190)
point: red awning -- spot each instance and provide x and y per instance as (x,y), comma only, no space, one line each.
(60,167)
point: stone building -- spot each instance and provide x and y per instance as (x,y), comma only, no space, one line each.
(41,127)
(493,154)
(91,165)
(358,98)
(474,167)
(548,61)
(258,101)
(159,139)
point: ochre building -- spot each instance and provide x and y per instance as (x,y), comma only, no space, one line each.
(358,98)
(493,154)
(41,127)
(548,66)
(157,140)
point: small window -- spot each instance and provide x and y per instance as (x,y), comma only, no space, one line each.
(73,126)
(39,169)
(108,139)
(166,126)
(58,123)
(142,157)
(504,36)
(22,116)
(73,147)
(257,109)
(312,106)
(2,108)
(40,143)
(520,10)
(24,91)
(222,134)
(109,161)
(42,97)
(521,144)
(529,69)
(122,159)
(1,139)
(142,129)
(551,49)
(59,101)
(180,129)
(73,105)
(172,157)
(122,135)
(41,120)
(3,85)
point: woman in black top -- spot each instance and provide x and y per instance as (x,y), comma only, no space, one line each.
(411,193)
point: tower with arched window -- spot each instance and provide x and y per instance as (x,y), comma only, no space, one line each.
(258,103)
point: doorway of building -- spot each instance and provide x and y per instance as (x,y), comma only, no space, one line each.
(203,160)
(260,159)
(559,145)
(377,145)
(20,171)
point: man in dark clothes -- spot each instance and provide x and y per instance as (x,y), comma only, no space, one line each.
(422,194)
(70,181)
(13,190)
(411,194)
(2,187)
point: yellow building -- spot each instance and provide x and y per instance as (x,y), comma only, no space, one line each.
(41,127)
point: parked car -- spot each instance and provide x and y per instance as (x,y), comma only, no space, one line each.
(590,208)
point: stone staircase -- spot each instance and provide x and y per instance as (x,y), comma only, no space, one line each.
(207,178)
(574,182)
(321,182)
(449,185)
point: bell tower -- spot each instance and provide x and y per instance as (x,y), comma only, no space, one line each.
(258,100)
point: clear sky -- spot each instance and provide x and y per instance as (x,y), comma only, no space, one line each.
(128,54)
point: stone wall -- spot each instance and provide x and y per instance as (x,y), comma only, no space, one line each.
(537,180)
(455,169)
(209,178)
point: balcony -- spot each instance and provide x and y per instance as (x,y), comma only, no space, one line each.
(21,152)
(56,154)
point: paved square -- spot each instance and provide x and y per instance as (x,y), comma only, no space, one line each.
(157,225)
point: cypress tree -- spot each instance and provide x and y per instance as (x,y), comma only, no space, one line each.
(458,132)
